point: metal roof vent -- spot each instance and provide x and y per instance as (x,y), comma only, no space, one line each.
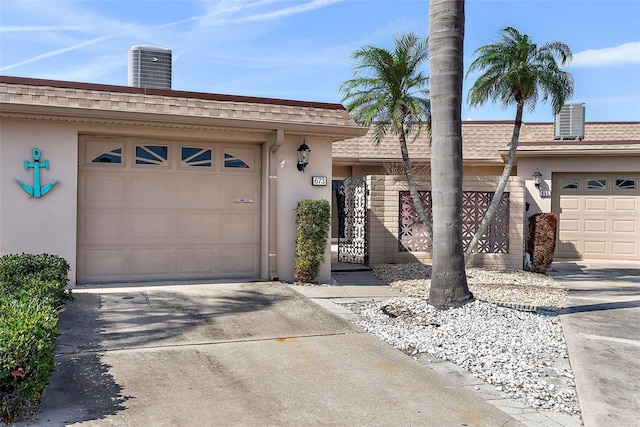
(150,67)
(569,122)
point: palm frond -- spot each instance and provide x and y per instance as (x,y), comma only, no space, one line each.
(515,70)
(389,87)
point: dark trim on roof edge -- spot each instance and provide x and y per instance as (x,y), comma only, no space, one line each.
(575,143)
(167,92)
(572,153)
(511,122)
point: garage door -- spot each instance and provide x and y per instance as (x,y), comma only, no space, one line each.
(599,215)
(157,210)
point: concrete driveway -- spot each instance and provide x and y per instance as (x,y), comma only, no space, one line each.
(602,329)
(238,354)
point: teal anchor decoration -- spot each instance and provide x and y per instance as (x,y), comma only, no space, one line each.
(36,190)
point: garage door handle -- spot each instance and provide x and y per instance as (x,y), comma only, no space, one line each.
(242,200)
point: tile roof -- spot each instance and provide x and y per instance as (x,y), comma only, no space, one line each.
(483,141)
(105,99)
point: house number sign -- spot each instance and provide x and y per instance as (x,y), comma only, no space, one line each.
(37,190)
(319,180)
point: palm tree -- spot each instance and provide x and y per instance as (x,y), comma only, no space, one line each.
(448,278)
(516,70)
(389,90)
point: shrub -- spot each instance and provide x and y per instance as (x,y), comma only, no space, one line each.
(313,219)
(542,240)
(44,274)
(32,289)
(27,344)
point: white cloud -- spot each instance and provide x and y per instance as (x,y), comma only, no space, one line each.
(89,71)
(628,53)
(56,52)
(107,28)
(233,9)
(35,28)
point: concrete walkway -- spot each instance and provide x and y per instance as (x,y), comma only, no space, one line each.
(602,329)
(273,354)
(238,354)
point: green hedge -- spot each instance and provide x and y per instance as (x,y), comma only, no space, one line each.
(14,269)
(313,219)
(32,290)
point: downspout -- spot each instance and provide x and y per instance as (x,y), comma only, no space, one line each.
(274,146)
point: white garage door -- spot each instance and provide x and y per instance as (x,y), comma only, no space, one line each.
(599,215)
(153,209)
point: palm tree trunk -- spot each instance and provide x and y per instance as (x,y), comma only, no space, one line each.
(497,196)
(413,188)
(448,278)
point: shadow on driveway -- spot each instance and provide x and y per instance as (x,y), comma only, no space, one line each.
(586,308)
(238,355)
(101,320)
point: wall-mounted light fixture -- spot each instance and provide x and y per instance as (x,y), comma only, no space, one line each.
(537,178)
(303,156)
(537,181)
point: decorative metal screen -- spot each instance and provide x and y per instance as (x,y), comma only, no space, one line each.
(412,236)
(352,220)
(495,239)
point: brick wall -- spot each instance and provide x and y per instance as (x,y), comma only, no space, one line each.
(383,221)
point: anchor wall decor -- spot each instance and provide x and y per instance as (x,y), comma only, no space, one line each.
(36,190)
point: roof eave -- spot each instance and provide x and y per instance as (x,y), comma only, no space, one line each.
(344,160)
(551,152)
(69,114)
(167,93)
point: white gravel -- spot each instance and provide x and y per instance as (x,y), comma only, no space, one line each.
(522,353)
(518,288)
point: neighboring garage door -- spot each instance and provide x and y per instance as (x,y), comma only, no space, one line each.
(165,210)
(599,215)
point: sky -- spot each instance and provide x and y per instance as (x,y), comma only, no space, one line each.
(300,49)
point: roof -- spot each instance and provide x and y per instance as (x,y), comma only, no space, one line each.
(601,138)
(86,101)
(487,142)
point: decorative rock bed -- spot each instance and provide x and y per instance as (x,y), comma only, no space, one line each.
(510,336)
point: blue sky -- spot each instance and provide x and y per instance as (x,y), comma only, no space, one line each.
(300,49)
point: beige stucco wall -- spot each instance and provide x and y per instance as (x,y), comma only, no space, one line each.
(383,221)
(341,172)
(294,186)
(46,224)
(487,170)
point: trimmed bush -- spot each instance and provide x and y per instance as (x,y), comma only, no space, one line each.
(32,290)
(542,240)
(27,343)
(43,274)
(44,266)
(313,219)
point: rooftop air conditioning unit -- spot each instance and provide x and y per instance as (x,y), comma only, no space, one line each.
(150,67)
(569,122)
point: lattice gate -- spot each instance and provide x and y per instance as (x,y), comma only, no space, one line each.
(352,220)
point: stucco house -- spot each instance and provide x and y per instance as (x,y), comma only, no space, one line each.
(592,182)
(133,184)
